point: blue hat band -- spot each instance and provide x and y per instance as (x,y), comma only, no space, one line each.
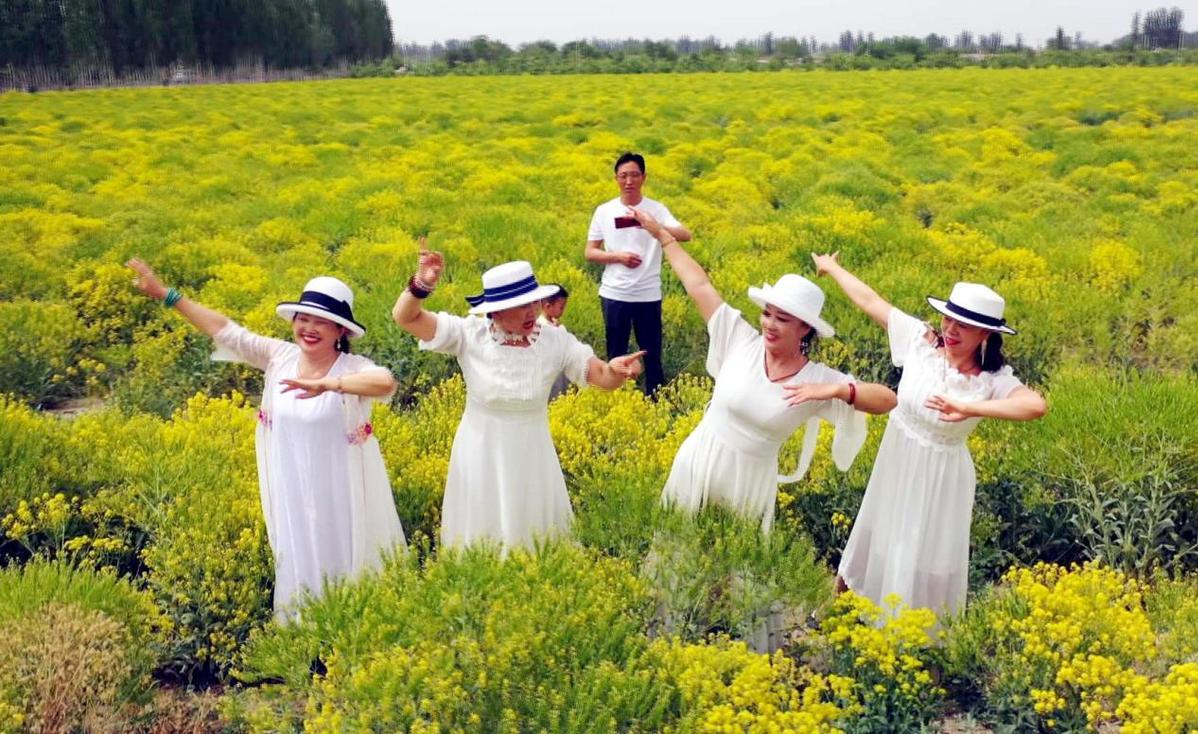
(503,293)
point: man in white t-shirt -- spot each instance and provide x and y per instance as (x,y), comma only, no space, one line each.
(631,287)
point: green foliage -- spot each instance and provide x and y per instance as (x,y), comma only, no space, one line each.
(469,640)
(1127,493)
(281,34)
(38,350)
(719,572)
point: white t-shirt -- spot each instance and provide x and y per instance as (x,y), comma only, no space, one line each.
(641,284)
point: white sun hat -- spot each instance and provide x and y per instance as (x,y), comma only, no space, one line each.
(798,297)
(975,304)
(507,286)
(328,298)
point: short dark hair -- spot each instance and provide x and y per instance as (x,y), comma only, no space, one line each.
(561,292)
(630,157)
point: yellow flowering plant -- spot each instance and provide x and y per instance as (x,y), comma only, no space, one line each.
(889,656)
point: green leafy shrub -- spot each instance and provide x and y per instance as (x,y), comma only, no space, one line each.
(1120,452)
(38,351)
(718,572)
(470,640)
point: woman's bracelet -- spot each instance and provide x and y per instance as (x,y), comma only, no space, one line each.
(852,393)
(339,388)
(667,243)
(419,288)
(173,296)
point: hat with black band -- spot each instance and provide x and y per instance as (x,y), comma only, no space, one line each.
(327,298)
(974,304)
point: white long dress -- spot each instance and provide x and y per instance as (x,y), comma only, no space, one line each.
(326,498)
(731,458)
(911,536)
(505,484)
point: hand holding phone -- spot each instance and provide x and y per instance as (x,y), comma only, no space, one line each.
(626,222)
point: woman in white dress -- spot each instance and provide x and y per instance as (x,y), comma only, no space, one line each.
(911,536)
(505,484)
(326,498)
(765,389)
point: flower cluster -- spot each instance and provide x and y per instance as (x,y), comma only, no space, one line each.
(887,653)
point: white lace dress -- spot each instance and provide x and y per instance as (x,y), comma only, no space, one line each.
(731,458)
(505,483)
(911,536)
(326,497)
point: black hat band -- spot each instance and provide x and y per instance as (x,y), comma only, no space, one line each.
(975,316)
(334,306)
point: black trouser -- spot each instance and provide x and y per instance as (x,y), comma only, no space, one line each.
(621,318)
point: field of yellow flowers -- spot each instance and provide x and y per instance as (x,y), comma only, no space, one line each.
(135,567)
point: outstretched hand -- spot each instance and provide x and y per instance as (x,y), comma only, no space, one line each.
(804,392)
(627,366)
(951,411)
(311,387)
(430,264)
(824,263)
(646,220)
(146,281)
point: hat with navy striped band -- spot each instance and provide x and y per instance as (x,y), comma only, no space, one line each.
(507,286)
(975,304)
(328,298)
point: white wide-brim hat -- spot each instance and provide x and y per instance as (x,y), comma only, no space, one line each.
(974,304)
(798,297)
(328,298)
(509,285)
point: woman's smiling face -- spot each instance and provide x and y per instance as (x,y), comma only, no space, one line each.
(316,336)
(783,333)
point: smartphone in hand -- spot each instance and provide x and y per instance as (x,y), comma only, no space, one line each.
(625,222)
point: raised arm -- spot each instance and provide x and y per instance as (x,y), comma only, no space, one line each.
(409,311)
(858,292)
(203,318)
(694,279)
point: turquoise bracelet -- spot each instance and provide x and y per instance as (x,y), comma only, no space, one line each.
(173,296)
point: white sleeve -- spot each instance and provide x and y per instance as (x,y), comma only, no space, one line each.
(667,218)
(235,343)
(596,230)
(905,330)
(450,337)
(357,363)
(1005,383)
(576,358)
(726,330)
(849,430)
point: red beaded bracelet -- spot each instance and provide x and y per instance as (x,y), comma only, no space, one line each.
(852,393)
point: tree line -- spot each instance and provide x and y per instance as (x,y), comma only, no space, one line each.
(123,35)
(1159,29)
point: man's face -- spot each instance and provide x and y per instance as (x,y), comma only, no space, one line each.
(630,180)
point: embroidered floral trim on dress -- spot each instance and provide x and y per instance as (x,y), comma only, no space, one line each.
(499,336)
(361,435)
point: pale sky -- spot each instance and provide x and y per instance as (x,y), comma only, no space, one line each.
(520,21)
